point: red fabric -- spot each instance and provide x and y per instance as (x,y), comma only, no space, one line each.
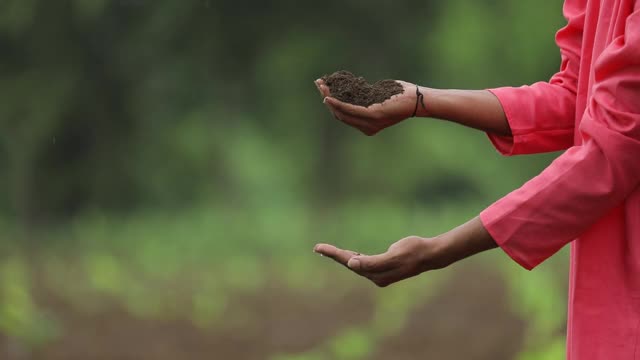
(591,193)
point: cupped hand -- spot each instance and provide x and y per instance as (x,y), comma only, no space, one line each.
(404,259)
(370,120)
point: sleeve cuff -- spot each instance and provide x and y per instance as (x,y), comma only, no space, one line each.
(506,145)
(526,138)
(488,218)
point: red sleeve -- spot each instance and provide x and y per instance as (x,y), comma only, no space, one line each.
(587,181)
(542,116)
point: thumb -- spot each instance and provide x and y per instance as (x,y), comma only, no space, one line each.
(374,263)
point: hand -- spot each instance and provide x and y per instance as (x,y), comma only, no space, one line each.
(406,258)
(370,120)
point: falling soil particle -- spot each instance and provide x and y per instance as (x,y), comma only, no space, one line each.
(351,89)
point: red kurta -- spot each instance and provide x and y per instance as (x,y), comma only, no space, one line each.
(591,193)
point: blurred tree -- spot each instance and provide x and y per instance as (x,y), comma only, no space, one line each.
(116,105)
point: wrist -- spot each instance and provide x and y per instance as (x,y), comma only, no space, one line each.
(423,102)
(437,252)
(465,240)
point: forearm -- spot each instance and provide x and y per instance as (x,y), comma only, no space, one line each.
(465,240)
(478,109)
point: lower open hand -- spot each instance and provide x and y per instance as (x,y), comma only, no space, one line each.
(404,259)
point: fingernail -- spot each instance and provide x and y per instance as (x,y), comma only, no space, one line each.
(324,101)
(354,264)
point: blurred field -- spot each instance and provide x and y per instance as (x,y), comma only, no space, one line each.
(170,299)
(267,323)
(168,167)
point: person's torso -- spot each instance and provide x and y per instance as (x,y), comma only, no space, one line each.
(604,297)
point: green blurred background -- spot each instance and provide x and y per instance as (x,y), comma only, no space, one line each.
(168,166)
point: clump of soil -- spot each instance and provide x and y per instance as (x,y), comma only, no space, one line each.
(351,89)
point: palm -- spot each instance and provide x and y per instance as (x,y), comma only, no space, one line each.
(372,119)
(404,259)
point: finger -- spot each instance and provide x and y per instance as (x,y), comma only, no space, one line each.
(323,88)
(387,278)
(354,110)
(331,110)
(339,255)
(319,90)
(372,264)
(339,118)
(359,124)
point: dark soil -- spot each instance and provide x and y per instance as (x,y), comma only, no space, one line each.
(351,89)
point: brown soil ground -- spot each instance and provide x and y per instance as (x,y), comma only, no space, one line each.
(469,319)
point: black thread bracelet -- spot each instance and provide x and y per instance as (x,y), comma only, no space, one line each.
(419,99)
